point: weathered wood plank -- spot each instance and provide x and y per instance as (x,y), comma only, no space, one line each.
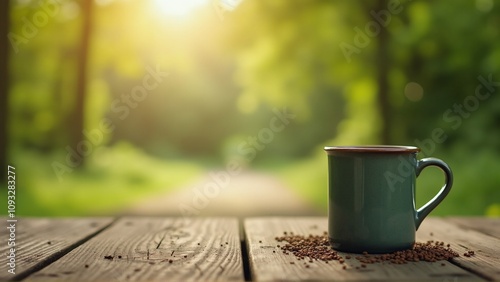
(42,240)
(490,226)
(268,265)
(486,262)
(154,249)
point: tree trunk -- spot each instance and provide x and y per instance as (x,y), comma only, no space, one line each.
(382,70)
(77,127)
(4,85)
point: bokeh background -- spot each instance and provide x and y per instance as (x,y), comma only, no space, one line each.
(119,106)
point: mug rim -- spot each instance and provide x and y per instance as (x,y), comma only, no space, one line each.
(383,149)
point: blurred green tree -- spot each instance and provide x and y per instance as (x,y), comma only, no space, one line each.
(4,83)
(77,125)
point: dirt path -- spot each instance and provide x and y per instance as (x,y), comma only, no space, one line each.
(246,194)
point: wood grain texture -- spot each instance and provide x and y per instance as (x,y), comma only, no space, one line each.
(490,226)
(486,262)
(42,240)
(154,249)
(268,265)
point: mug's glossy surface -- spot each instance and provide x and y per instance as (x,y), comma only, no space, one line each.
(372,197)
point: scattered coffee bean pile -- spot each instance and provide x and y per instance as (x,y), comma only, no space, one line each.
(317,247)
(431,251)
(314,247)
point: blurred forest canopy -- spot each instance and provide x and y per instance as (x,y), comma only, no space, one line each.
(185,92)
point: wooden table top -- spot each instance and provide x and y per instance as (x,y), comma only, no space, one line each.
(206,249)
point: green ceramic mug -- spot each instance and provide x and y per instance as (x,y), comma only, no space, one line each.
(372,197)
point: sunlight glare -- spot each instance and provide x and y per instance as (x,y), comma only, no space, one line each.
(179,8)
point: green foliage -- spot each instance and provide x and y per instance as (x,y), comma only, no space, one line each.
(441,53)
(226,77)
(493,211)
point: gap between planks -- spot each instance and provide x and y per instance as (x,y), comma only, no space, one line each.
(41,241)
(154,249)
(485,262)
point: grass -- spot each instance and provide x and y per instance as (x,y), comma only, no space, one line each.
(112,179)
(308,179)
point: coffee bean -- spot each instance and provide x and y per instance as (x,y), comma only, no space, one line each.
(317,247)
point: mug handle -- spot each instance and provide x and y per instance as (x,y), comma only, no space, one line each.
(434,202)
